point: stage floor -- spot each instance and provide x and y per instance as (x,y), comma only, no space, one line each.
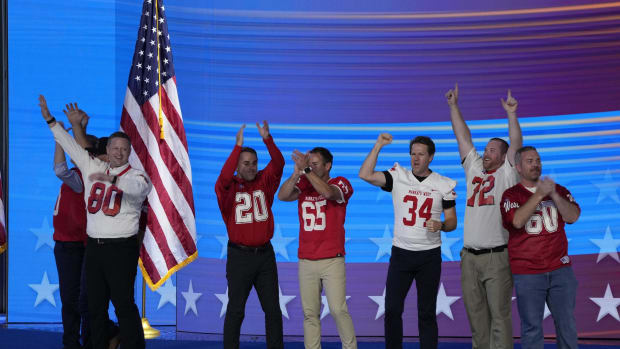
(17,336)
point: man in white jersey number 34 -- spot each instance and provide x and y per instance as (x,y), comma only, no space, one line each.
(419,197)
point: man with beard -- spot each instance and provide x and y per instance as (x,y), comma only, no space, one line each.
(485,271)
(245,203)
(535,212)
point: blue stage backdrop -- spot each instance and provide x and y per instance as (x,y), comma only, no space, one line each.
(333,74)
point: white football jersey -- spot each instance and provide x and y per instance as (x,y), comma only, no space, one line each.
(112,210)
(483,219)
(416,202)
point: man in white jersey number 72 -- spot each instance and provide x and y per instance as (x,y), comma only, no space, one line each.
(485,271)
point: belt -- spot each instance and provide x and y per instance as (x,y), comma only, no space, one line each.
(486,250)
(253,249)
(105,241)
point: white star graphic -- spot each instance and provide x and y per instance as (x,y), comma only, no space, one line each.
(162,7)
(45,291)
(145,93)
(147,13)
(152,42)
(167,48)
(384,243)
(143,39)
(223,297)
(146,80)
(325,311)
(153,30)
(137,77)
(141,53)
(444,302)
(165,61)
(190,299)
(44,235)
(161,20)
(163,73)
(607,188)
(547,311)
(380,300)
(608,304)
(145,27)
(150,55)
(139,65)
(279,243)
(608,246)
(446,244)
(167,293)
(284,300)
(223,239)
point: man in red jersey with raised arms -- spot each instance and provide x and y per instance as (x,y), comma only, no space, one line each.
(245,201)
(535,211)
(322,205)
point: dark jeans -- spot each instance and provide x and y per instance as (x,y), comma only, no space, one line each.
(558,289)
(111,269)
(245,269)
(69,261)
(405,266)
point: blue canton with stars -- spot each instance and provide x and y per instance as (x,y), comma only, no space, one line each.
(143,80)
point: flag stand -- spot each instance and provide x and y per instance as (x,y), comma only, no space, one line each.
(149,332)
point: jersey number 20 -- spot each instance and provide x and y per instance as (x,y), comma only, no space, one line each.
(251,208)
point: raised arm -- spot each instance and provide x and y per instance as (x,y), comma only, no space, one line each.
(514,129)
(276,164)
(459,127)
(79,120)
(367,171)
(330,192)
(77,153)
(288,191)
(228,170)
(70,178)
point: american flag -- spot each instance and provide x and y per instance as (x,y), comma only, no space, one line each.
(2,221)
(160,148)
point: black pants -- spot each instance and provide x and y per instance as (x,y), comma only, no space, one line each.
(245,269)
(405,266)
(69,261)
(111,269)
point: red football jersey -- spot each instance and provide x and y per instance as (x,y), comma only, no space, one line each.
(246,206)
(70,214)
(540,246)
(321,221)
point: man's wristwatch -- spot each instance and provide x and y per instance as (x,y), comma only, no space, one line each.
(307,170)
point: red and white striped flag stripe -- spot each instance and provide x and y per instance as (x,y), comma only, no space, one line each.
(170,237)
(2,221)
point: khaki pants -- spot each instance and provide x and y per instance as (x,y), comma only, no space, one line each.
(313,276)
(487,293)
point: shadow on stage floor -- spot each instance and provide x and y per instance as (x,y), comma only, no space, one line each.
(43,336)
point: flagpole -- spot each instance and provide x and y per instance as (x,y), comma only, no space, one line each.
(149,332)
